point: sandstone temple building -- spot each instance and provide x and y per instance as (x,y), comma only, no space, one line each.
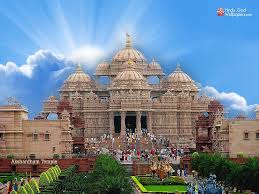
(128,103)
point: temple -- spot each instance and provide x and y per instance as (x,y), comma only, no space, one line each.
(128,103)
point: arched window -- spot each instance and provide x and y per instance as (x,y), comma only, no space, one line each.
(52,116)
(153,80)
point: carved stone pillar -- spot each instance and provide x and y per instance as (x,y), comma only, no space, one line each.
(123,125)
(138,123)
(149,122)
(111,122)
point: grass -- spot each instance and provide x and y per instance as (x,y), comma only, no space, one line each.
(166,188)
(159,188)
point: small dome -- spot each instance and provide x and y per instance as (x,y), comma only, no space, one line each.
(103,66)
(52,98)
(179,80)
(154,65)
(128,53)
(179,76)
(79,76)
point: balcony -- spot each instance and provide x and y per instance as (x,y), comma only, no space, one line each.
(78,140)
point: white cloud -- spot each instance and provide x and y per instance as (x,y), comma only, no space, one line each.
(11,67)
(232,100)
(87,55)
(46,59)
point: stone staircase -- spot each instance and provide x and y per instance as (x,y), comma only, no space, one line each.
(121,143)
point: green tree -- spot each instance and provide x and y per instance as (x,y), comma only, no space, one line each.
(109,176)
(242,176)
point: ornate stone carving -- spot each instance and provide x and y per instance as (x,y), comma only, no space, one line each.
(2,127)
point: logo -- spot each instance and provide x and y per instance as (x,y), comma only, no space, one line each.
(220,11)
(233,12)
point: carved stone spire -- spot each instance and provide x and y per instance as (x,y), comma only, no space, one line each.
(128,41)
(79,68)
(178,67)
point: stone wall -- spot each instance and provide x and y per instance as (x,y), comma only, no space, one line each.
(84,165)
(249,145)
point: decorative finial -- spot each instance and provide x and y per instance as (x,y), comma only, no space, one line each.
(128,41)
(78,67)
(178,67)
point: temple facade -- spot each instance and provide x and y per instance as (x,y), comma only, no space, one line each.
(129,103)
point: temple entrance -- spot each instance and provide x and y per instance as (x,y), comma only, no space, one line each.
(130,122)
(144,122)
(117,124)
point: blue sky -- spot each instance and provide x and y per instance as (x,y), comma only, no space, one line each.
(42,40)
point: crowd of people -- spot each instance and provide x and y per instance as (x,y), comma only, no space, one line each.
(15,184)
(159,147)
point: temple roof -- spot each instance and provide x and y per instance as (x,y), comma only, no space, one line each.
(79,76)
(180,80)
(154,65)
(129,78)
(78,81)
(128,53)
(103,66)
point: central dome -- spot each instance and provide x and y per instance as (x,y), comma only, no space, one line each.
(129,53)
(130,78)
(130,75)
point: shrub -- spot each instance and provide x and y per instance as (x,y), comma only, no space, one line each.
(28,188)
(51,173)
(149,181)
(22,190)
(55,156)
(176,180)
(240,155)
(44,179)
(50,176)
(34,185)
(55,168)
(241,176)
(168,181)
(10,156)
(13,192)
(195,154)
(58,168)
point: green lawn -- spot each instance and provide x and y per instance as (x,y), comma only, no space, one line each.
(159,188)
(166,188)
